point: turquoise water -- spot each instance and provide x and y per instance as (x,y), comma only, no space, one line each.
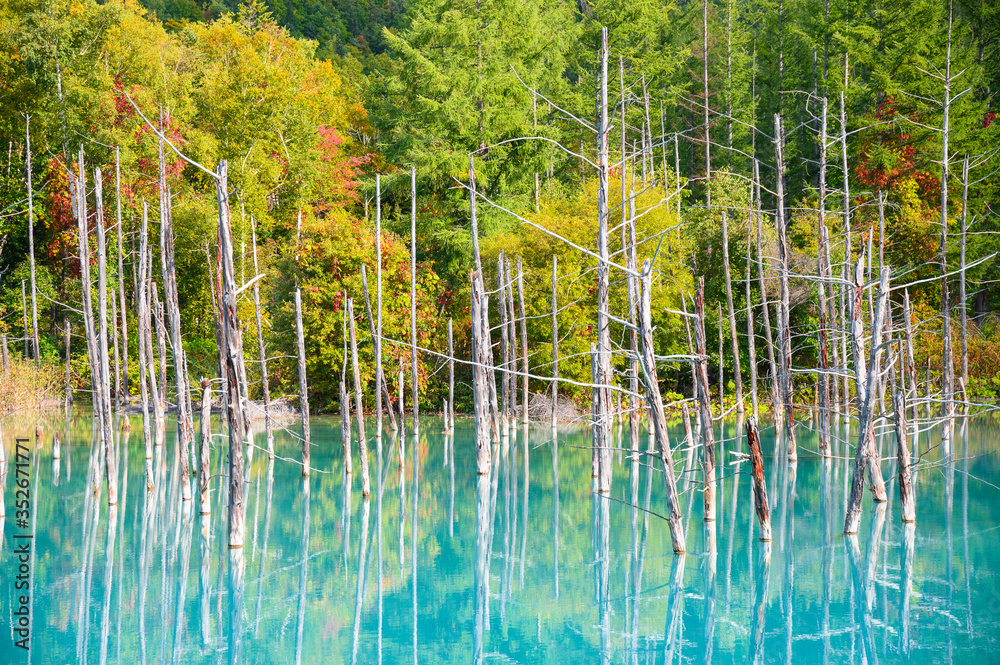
(524,566)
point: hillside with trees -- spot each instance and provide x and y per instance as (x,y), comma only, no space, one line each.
(308,101)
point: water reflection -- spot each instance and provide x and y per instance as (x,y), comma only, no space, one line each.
(524,564)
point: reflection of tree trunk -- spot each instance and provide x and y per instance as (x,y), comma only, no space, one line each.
(762,578)
(237,585)
(148,514)
(186,535)
(413,536)
(906,587)
(602,554)
(555,514)
(263,552)
(303,563)
(204,584)
(826,526)
(675,600)
(482,571)
(864,578)
(709,574)
(359,595)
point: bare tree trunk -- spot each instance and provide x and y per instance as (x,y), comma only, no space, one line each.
(737,375)
(722,366)
(121,274)
(757,473)
(451,381)
(6,361)
(300,346)
(142,302)
(377,344)
(708,139)
(261,350)
(822,388)
(486,339)
(604,376)
(947,373)
(524,345)
(963,317)
(512,338)
(31,243)
(707,433)
(534,120)
(784,315)
(413,301)
(24,312)
(751,333)
(107,424)
(161,343)
(906,498)
(911,366)
(555,342)
(116,386)
(380,383)
(866,457)
(359,404)
(505,387)
(481,366)
(345,428)
(235,376)
(168,266)
(768,337)
(628,246)
(69,386)
(647,361)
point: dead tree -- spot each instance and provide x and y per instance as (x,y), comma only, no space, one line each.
(414,379)
(168,266)
(104,373)
(784,315)
(866,456)
(31,242)
(555,342)
(300,345)
(647,362)
(481,366)
(737,376)
(382,394)
(235,375)
(906,499)
(261,350)
(604,373)
(704,405)
(359,404)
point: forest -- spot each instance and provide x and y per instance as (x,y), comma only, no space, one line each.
(886,122)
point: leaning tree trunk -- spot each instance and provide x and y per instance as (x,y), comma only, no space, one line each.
(704,405)
(866,457)
(647,362)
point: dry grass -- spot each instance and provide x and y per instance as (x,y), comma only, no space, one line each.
(27,388)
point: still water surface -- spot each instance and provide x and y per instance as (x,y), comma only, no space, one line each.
(524,566)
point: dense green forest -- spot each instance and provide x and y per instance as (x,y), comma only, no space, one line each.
(309,100)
